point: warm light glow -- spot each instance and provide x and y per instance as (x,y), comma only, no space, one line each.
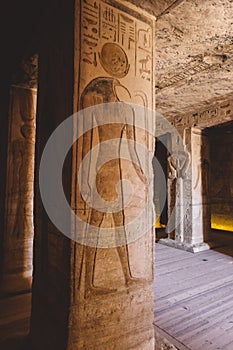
(158,224)
(222,222)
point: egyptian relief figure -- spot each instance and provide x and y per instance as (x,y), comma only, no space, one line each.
(22,182)
(104,90)
(178,164)
(172,172)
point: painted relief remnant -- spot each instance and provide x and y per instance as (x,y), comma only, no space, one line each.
(114,60)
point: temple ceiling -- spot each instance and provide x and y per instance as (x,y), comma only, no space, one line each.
(194,48)
(194,58)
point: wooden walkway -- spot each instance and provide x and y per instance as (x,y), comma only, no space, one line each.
(193,301)
(194,298)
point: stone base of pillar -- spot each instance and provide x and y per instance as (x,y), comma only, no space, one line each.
(122,320)
(192,248)
(12,284)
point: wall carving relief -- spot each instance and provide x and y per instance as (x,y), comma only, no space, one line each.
(220,113)
(22,181)
(178,165)
(117,63)
(114,60)
(19,227)
(117,43)
(195,187)
(210,62)
(96,290)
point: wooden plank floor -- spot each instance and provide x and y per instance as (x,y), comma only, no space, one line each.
(193,300)
(194,297)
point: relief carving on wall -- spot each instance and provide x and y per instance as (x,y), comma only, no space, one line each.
(200,64)
(218,114)
(116,42)
(116,66)
(19,227)
(114,60)
(22,183)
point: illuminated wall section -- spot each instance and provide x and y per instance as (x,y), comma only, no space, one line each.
(221,145)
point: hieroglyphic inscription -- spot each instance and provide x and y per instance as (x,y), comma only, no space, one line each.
(90,31)
(220,112)
(112,37)
(173,79)
(144,48)
(126,31)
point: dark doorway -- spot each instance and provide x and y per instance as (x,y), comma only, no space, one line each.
(221,187)
(161,207)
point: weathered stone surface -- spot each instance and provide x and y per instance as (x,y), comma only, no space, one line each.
(90,296)
(192,234)
(193,89)
(19,229)
(118,273)
(194,55)
(157,8)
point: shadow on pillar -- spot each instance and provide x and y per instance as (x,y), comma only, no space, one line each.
(16,272)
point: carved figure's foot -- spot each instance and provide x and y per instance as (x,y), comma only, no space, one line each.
(132,280)
(99,291)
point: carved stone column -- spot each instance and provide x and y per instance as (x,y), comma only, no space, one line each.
(201,212)
(86,296)
(192,211)
(18,236)
(171,197)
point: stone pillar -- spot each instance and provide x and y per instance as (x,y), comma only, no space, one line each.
(183,193)
(18,235)
(190,172)
(201,212)
(86,296)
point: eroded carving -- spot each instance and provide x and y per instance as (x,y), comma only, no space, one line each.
(117,63)
(114,60)
(178,164)
(103,90)
(22,182)
(200,64)
(19,228)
